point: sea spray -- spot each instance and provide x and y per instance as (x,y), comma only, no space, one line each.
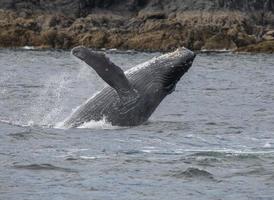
(52,104)
(49,101)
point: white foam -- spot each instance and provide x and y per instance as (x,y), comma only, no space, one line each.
(5,121)
(28,47)
(88,157)
(267,145)
(30,123)
(102,124)
(217,50)
(147,151)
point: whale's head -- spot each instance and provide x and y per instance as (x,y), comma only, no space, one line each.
(80,52)
(174,66)
(163,72)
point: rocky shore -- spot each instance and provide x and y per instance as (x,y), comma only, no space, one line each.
(151,25)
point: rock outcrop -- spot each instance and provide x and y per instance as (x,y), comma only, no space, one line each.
(137,24)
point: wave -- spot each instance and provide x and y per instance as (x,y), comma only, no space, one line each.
(43,167)
(216,152)
(227,153)
(193,173)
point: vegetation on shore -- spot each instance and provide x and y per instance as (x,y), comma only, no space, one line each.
(146,30)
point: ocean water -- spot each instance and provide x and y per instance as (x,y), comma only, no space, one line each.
(212,138)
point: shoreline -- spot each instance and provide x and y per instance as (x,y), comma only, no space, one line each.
(132,51)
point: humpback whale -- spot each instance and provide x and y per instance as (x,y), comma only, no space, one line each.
(130,97)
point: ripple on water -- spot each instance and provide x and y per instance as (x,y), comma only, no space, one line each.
(25,135)
(192,173)
(160,126)
(30,133)
(228,156)
(43,167)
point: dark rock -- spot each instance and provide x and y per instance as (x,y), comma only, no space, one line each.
(56,39)
(219,42)
(152,15)
(261,47)
(95,39)
(244,39)
(197,45)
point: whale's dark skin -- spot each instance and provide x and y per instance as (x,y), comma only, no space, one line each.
(131,97)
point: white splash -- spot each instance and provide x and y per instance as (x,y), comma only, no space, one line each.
(102,124)
(61,125)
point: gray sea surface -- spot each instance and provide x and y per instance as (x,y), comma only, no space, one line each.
(211,139)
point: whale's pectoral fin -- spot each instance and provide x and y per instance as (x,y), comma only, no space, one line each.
(108,71)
